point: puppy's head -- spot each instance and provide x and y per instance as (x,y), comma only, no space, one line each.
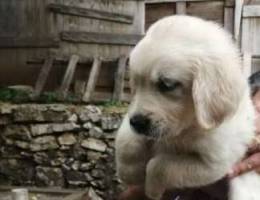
(185,74)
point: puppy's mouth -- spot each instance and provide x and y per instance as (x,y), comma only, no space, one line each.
(157,131)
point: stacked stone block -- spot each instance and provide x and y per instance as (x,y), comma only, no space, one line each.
(59,145)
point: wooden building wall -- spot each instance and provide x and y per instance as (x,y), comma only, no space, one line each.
(220,11)
(32,30)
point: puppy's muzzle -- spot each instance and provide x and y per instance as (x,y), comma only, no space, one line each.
(141,124)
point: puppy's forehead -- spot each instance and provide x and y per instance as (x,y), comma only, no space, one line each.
(147,62)
(195,42)
(148,56)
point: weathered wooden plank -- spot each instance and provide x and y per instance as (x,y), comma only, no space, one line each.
(67,79)
(210,10)
(139,19)
(91,13)
(43,75)
(8,22)
(65,59)
(120,79)
(170,1)
(92,81)
(250,35)
(100,38)
(246,36)
(181,8)
(247,64)
(238,13)
(72,23)
(229,19)
(251,11)
(28,42)
(154,12)
(230,3)
(79,88)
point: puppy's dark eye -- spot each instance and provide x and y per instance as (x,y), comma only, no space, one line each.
(168,85)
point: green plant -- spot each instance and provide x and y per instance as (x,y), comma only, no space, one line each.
(114,106)
(48,97)
(114,103)
(12,95)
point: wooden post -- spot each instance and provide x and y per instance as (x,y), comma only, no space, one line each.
(247,64)
(120,79)
(45,70)
(68,76)
(180,8)
(247,35)
(229,19)
(20,194)
(238,14)
(92,81)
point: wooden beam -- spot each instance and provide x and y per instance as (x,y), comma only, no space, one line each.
(43,75)
(67,79)
(251,11)
(237,23)
(229,19)
(120,79)
(92,81)
(101,38)
(27,42)
(180,8)
(91,13)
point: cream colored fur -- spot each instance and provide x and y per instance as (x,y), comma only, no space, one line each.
(202,128)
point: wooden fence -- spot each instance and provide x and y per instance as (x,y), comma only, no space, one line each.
(83,45)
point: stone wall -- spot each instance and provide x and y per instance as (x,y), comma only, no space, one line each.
(58,145)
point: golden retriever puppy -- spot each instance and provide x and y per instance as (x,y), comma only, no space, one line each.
(191,117)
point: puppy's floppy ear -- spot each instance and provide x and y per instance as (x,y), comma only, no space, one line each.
(217,92)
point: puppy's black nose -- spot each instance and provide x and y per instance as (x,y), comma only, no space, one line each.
(140,124)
